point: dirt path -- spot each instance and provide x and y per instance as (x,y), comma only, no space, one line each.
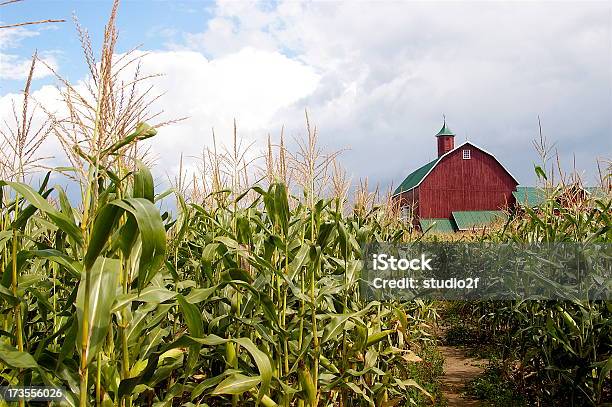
(458,370)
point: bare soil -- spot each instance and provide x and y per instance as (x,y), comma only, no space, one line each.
(459,369)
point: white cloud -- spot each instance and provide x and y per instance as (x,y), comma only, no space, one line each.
(11,38)
(249,85)
(15,67)
(236,25)
(390,69)
(377,77)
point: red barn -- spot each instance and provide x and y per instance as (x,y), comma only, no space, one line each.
(464,188)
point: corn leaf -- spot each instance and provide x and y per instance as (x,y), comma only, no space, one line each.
(237,384)
(152,236)
(104,276)
(34,198)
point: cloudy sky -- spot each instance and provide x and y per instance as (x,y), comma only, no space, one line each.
(376,77)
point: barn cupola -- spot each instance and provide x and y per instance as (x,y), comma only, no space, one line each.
(446,140)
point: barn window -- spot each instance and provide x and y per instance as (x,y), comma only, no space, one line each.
(407,213)
(467,154)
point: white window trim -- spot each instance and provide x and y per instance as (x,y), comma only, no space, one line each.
(467,154)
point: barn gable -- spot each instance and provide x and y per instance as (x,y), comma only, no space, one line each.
(415,178)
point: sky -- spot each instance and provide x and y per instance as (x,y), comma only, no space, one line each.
(375,77)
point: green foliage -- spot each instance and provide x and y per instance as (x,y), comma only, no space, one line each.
(560,349)
(427,367)
(493,387)
(240,303)
(253,299)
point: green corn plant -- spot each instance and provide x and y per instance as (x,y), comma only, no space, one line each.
(90,256)
(248,299)
(563,346)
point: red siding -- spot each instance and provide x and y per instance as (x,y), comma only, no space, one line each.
(445,144)
(455,184)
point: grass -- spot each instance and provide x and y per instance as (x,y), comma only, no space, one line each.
(428,371)
(492,387)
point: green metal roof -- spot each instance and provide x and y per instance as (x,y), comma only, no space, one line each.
(445,131)
(467,220)
(415,177)
(536,196)
(437,225)
(529,196)
(597,192)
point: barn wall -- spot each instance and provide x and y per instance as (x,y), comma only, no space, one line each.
(455,184)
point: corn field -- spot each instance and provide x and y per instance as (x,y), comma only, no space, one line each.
(560,350)
(217,306)
(245,292)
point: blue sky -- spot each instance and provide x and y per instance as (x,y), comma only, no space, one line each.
(376,77)
(153,23)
